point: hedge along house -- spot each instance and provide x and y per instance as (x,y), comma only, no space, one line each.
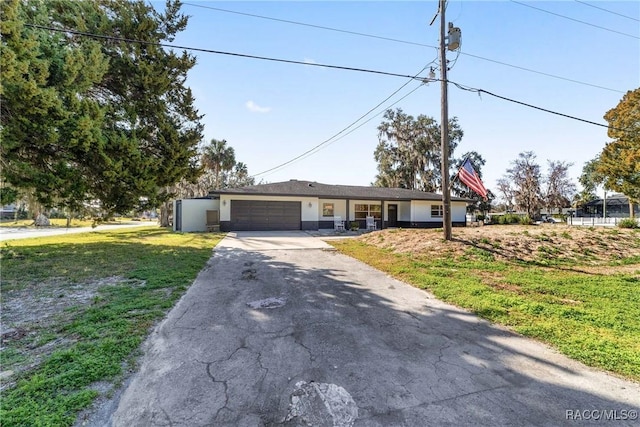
(305,205)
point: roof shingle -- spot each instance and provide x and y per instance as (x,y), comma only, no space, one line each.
(317,189)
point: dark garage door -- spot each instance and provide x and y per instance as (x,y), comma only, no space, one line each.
(263,215)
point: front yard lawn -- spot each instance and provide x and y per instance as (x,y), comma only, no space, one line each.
(75,309)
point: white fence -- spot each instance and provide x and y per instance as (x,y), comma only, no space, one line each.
(595,222)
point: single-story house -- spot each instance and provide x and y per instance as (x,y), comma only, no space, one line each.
(306,205)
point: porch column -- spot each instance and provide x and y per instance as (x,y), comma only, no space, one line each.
(347,220)
(382,215)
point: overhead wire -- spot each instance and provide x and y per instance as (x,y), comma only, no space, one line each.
(218,52)
(343,136)
(543,73)
(607,10)
(575,20)
(308,152)
(481,91)
(405,42)
(329,140)
(304,24)
(337,136)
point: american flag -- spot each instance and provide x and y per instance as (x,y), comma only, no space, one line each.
(468,176)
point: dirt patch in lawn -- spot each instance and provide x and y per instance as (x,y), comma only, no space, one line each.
(591,247)
(32,317)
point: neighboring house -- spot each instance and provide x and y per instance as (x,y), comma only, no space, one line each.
(305,205)
(617,207)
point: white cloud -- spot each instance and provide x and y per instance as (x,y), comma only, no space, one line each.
(255,108)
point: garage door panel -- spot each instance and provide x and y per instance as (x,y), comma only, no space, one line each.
(264,215)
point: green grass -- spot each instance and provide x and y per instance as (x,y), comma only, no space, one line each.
(591,317)
(98,339)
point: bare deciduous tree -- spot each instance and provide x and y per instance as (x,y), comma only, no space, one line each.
(506,192)
(560,190)
(526,178)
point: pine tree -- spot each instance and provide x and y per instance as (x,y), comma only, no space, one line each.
(86,119)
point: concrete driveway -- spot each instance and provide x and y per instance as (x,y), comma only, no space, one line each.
(280,331)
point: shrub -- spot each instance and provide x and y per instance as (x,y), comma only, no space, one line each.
(526,220)
(479,217)
(513,219)
(508,219)
(628,223)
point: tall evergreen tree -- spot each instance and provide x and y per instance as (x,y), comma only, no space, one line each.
(49,118)
(91,119)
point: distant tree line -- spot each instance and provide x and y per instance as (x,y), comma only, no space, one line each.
(408,155)
(525,188)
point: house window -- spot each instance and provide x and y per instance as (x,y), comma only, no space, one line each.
(327,209)
(362,211)
(436,211)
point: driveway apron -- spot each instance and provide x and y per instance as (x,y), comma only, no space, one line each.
(280,330)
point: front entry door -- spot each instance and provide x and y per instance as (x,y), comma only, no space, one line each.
(393,215)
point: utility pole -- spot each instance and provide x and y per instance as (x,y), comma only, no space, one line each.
(444,138)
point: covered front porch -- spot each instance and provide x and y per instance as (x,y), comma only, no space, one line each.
(387,213)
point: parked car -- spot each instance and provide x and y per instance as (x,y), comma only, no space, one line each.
(550,219)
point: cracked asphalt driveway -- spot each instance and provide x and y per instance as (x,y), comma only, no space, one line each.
(278,330)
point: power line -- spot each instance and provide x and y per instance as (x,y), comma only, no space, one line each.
(576,20)
(218,52)
(481,91)
(544,74)
(607,10)
(307,154)
(459,86)
(304,24)
(337,137)
(317,147)
(404,42)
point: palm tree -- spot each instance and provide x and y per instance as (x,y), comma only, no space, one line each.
(218,157)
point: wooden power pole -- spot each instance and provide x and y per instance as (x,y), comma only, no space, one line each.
(444,138)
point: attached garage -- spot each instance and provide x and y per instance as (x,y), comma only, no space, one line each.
(262,215)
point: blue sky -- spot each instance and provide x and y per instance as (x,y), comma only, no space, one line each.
(272,112)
